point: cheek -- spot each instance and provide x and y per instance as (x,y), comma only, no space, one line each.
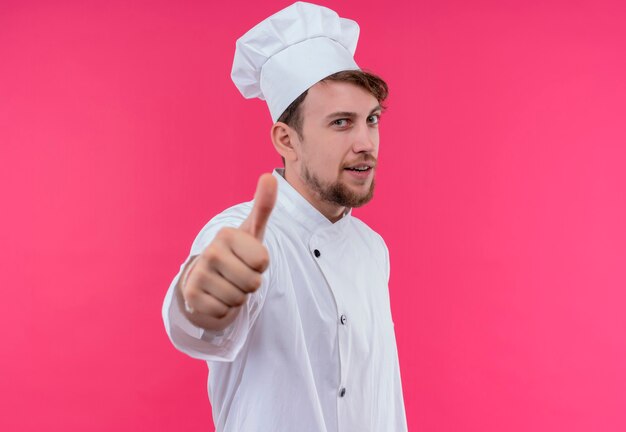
(333,160)
(327,155)
(375,138)
(325,164)
(324,157)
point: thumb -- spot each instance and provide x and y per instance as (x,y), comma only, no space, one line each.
(264,200)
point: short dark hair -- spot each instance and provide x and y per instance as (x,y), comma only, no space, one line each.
(374,84)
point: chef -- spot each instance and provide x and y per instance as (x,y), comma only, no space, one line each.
(286,296)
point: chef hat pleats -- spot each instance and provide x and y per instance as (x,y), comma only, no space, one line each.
(287,53)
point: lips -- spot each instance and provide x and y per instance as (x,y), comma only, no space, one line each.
(360,172)
(362,165)
(359,168)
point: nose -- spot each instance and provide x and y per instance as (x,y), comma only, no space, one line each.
(365,139)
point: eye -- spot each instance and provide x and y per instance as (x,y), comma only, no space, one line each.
(373,119)
(340,122)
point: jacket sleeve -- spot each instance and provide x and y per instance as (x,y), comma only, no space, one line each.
(204,344)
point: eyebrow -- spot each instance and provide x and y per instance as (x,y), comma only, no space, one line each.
(351,114)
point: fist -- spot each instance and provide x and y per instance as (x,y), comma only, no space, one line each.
(220,279)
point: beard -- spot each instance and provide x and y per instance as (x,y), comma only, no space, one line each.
(337,192)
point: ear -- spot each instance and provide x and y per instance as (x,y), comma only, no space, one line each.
(285,141)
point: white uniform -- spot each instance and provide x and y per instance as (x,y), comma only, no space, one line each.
(313,350)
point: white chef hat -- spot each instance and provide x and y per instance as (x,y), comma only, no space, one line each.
(285,54)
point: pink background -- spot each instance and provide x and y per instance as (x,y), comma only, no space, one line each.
(501,195)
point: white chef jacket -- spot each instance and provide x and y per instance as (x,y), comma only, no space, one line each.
(313,349)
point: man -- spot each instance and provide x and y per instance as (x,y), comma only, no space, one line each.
(286,297)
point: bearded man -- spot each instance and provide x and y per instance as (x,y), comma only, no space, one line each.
(286,297)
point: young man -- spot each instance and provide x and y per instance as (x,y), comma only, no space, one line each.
(286,297)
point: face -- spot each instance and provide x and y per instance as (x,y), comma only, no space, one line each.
(338,152)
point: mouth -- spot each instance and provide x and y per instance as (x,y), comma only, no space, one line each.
(359,168)
(361,171)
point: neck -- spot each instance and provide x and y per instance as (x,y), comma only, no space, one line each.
(332,212)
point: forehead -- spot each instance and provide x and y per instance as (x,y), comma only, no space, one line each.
(327,97)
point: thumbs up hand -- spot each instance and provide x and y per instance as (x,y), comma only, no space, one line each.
(264,200)
(217,282)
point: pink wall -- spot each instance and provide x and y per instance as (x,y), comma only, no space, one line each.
(501,195)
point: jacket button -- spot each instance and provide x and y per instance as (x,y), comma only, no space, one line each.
(342,392)
(343,319)
(316,253)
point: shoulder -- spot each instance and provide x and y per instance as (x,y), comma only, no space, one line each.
(232,217)
(374,243)
(368,234)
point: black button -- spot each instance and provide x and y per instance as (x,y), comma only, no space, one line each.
(316,253)
(343,319)
(342,392)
